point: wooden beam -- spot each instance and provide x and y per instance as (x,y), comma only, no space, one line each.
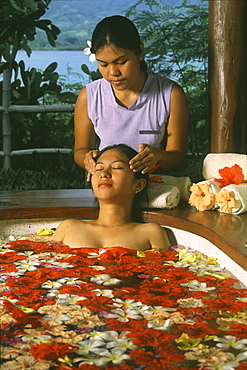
(228,75)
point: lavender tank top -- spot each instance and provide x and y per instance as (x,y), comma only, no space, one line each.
(145,121)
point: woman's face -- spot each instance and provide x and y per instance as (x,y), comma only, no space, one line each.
(113,178)
(120,67)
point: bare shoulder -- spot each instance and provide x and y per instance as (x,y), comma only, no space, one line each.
(157,235)
(151,226)
(65,227)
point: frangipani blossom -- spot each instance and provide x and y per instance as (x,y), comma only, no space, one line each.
(115,355)
(230,341)
(105,279)
(87,51)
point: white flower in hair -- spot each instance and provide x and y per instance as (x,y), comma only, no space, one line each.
(87,51)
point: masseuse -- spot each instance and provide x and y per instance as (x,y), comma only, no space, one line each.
(129,105)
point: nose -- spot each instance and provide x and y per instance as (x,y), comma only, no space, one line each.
(105,174)
(113,70)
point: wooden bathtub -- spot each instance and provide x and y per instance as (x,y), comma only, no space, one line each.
(219,235)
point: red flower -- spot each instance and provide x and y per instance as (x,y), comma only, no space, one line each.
(238,330)
(132,325)
(11,257)
(224,305)
(96,303)
(198,330)
(117,255)
(51,351)
(118,367)
(22,317)
(230,175)
(86,367)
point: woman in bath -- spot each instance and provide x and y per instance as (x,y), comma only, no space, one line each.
(119,191)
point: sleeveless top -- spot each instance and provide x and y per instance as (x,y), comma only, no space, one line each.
(144,122)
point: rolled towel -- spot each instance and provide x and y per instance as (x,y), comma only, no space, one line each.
(182,183)
(163,196)
(213,162)
(203,195)
(232,199)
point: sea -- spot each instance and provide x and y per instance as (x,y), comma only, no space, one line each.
(69,63)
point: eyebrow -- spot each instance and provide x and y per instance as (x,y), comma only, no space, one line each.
(117,160)
(115,60)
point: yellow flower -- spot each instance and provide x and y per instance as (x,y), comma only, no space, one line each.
(227,201)
(186,343)
(201,197)
(45,232)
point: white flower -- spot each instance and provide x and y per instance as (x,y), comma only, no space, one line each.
(104,292)
(124,315)
(37,339)
(105,279)
(230,341)
(69,299)
(155,325)
(122,344)
(116,356)
(87,51)
(87,346)
(70,281)
(27,265)
(54,319)
(196,286)
(51,285)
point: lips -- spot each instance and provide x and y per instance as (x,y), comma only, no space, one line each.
(117,82)
(104,184)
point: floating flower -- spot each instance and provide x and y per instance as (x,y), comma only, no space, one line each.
(87,51)
(230,341)
(115,355)
(169,309)
(105,279)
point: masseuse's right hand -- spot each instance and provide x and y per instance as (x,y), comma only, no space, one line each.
(90,163)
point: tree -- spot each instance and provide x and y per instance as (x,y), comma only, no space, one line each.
(19,20)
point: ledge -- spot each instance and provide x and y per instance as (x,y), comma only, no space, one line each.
(226,232)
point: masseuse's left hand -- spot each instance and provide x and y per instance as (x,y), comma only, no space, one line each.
(146,159)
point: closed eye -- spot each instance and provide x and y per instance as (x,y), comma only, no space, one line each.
(121,63)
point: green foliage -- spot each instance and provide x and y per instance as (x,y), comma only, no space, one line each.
(23,179)
(93,75)
(19,20)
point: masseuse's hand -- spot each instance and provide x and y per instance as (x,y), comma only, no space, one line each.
(146,159)
(90,163)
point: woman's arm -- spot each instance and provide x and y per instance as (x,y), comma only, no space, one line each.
(173,156)
(158,237)
(85,137)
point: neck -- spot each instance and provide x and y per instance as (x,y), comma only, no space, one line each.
(128,96)
(114,215)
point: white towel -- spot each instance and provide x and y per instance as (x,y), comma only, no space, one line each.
(182,183)
(232,199)
(214,186)
(214,162)
(163,196)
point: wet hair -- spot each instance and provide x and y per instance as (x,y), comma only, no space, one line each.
(141,198)
(119,31)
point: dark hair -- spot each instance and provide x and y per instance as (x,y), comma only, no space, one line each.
(140,197)
(119,31)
